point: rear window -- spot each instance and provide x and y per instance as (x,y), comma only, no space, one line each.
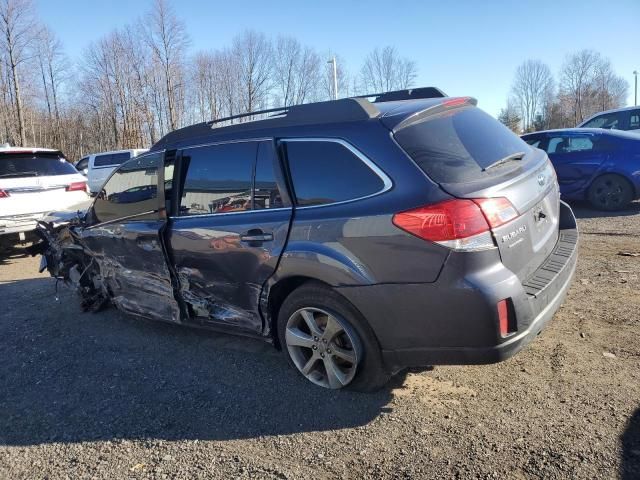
(34,165)
(457,146)
(110,159)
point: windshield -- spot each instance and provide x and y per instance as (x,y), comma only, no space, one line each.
(461,145)
(39,164)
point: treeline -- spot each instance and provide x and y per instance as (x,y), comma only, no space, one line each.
(141,81)
(586,84)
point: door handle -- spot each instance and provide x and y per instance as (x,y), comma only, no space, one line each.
(256,236)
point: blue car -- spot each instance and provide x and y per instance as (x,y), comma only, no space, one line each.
(593,164)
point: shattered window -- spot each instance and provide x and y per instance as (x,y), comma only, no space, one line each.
(131,190)
(219,178)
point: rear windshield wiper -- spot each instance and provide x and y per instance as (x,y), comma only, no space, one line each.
(508,158)
(19,174)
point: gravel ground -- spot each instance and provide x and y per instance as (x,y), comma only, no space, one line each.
(109,396)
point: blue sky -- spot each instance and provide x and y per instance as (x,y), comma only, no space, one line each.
(463,47)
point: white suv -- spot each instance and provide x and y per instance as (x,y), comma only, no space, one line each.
(619,119)
(33,182)
(101,165)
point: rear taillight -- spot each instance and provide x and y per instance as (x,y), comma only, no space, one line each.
(4,194)
(75,186)
(460,224)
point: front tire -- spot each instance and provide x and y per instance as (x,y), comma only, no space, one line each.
(326,339)
(610,192)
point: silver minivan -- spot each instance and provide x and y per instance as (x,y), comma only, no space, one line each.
(101,165)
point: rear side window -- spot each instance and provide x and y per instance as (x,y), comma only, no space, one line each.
(131,190)
(34,165)
(608,120)
(326,172)
(110,159)
(457,146)
(218,178)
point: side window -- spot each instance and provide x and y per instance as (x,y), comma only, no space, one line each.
(580,144)
(558,145)
(102,160)
(607,120)
(634,120)
(266,193)
(110,159)
(534,142)
(327,172)
(83,163)
(131,190)
(218,178)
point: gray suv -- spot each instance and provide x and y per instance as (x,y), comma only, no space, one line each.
(361,236)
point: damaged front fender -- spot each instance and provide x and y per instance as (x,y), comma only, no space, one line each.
(64,257)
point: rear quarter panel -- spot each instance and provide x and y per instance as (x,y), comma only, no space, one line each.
(356,243)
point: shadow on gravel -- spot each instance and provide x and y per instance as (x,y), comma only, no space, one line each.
(68,376)
(630,464)
(584,210)
(7,255)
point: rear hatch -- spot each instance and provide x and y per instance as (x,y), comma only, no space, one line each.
(472,155)
(32,183)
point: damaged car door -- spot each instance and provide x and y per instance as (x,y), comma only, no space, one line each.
(124,237)
(228,230)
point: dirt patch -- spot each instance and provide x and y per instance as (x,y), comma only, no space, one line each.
(109,396)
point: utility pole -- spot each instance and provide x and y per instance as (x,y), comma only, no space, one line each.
(335,78)
(635,101)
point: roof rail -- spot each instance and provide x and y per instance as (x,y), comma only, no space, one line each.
(408,94)
(342,110)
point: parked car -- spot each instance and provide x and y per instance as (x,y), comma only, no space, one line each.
(102,165)
(34,181)
(619,119)
(600,166)
(359,236)
(82,166)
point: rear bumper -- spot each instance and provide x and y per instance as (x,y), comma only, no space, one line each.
(25,223)
(454,320)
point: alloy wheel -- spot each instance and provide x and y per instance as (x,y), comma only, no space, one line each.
(323,347)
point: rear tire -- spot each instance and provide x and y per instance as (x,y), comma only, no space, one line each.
(610,192)
(326,339)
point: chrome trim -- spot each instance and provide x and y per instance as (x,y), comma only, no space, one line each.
(387,183)
(201,215)
(224,142)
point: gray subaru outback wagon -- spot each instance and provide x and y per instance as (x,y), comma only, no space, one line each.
(361,236)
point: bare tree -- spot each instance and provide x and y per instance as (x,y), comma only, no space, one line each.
(385,70)
(531,88)
(296,71)
(252,53)
(168,40)
(576,80)
(17,22)
(54,68)
(610,89)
